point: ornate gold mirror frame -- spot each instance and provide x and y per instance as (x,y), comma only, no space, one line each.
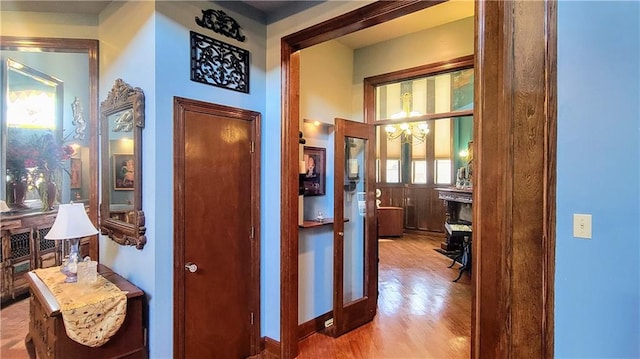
(121,123)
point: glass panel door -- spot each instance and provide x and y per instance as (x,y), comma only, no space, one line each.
(355,210)
(355,244)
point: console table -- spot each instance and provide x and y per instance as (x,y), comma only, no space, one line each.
(47,337)
(24,248)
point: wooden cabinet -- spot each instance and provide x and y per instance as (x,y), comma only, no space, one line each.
(423,209)
(24,248)
(47,332)
(390,221)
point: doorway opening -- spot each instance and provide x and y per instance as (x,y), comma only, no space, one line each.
(506,215)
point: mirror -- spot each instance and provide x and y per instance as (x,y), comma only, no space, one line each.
(121,123)
(49,118)
(33,123)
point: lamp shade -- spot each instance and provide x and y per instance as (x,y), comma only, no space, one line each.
(71,222)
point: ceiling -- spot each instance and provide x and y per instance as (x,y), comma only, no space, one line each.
(440,14)
(420,20)
(76,7)
(434,16)
(267,7)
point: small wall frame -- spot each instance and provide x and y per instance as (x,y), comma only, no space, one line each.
(314,180)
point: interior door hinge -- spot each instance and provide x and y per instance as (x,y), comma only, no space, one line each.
(251,318)
(253,232)
(253,147)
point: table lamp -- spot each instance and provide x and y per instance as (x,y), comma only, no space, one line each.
(72,224)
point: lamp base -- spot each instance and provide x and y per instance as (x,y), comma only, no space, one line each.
(70,266)
(71,277)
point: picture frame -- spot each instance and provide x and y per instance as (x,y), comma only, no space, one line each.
(75,171)
(314,180)
(123,172)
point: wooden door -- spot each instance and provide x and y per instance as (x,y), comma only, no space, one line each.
(216,242)
(355,244)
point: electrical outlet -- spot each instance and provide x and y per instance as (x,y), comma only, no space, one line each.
(328,323)
(581,225)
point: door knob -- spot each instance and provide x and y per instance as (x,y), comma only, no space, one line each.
(191,267)
(341,234)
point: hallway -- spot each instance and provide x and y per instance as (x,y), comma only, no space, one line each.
(421,312)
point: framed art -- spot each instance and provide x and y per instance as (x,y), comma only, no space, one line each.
(76,173)
(314,179)
(123,172)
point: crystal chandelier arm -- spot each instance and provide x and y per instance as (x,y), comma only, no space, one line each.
(393,133)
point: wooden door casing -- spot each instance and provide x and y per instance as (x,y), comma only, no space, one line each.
(515,79)
(216,224)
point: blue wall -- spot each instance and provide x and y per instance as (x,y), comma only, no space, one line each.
(126,39)
(147,44)
(174,20)
(597,294)
(315,266)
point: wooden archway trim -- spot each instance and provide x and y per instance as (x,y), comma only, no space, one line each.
(514,179)
(514,197)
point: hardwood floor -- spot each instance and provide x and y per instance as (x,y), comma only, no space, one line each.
(14,325)
(421,312)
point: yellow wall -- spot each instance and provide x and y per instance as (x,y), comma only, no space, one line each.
(325,81)
(433,45)
(40,24)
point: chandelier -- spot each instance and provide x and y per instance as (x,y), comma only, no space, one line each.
(411,132)
(414,133)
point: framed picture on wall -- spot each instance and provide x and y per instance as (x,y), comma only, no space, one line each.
(123,172)
(314,179)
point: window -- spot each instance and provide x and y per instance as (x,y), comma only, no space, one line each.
(393,171)
(443,171)
(432,162)
(419,171)
(424,121)
(428,95)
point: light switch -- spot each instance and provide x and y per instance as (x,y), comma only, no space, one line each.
(581,225)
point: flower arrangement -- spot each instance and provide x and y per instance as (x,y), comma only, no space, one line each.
(37,160)
(40,153)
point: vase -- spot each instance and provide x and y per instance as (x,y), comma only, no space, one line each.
(48,192)
(19,192)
